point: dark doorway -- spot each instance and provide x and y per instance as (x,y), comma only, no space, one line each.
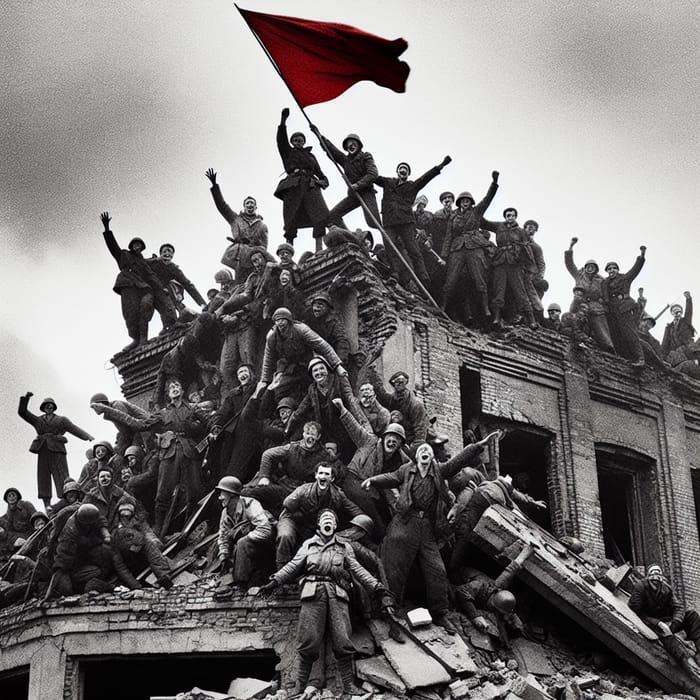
(695,478)
(143,676)
(14,685)
(627,493)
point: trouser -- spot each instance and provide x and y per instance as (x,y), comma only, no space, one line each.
(403,236)
(690,625)
(350,203)
(137,310)
(270,496)
(247,555)
(469,517)
(623,329)
(600,331)
(369,505)
(164,305)
(325,615)
(51,465)
(507,276)
(150,555)
(408,538)
(533,285)
(289,535)
(237,349)
(173,471)
(467,270)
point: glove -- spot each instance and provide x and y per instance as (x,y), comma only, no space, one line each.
(268,587)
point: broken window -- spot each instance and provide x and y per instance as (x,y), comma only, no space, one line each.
(140,677)
(14,685)
(627,492)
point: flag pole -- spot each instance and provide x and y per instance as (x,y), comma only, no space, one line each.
(364,206)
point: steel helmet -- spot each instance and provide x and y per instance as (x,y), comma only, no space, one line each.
(87,514)
(99,397)
(322,296)
(396,429)
(70,485)
(230,484)
(365,523)
(11,490)
(134,450)
(223,276)
(48,399)
(464,195)
(105,444)
(503,601)
(282,312)
(351,136)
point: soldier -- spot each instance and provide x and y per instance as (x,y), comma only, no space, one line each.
(245,535)
(656,604)
(361,174)
(594,297)
(83,559)
(282,290)
(441,218)
(125,435)
(420,522)
(177,466)
(478,590)
(317,405)
(328,567)
(136,284)
(49,445)
(374,455)
(168,273)
(274,430)
(135,547)
(288,348)
(106,497)
(295,464)
(535,283)
(300,191)
(323,320)
(399,221)
(651,347)
(301,508)
(404,400)
(465,250)
(510,262)
(680,331)
(72,493)
(17,520)
(224,279)
(102,453)
(377,416)
(423,218)
(498,491)
(553,320)
(623,311)
(248,231)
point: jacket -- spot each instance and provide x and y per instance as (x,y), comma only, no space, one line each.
(167,271)
(680,334)
(50,429)
(249,519)
(399,195)
(306,501)
(331,563)
(299,463)
(359,167)
(133,268)
(656,605)
(463,229)
(617,289)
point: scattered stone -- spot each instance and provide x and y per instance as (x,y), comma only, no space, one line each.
(378,670)
(589,682)
(534,657)
(528,688)
(449,649)
(418,617)
(489,691)
(249,688)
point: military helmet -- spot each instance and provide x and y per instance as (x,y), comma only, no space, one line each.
(464,195)
(71,485)
(87,514)
(134,450)
(230,484)
(48,399)
(503,601)
(321,296)
(223,276)
(99,397)
(351,136)
(365,523)
(282,312)
(105,444)
(12,489)
(396,429)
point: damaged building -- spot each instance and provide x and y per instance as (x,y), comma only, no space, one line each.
(613,452)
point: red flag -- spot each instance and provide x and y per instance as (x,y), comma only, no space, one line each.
(321,60)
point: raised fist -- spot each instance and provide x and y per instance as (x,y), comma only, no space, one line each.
(643,248)
(494,176)
(285,114)
(445,161)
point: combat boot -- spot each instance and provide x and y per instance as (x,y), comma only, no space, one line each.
(496,321)
(349,687)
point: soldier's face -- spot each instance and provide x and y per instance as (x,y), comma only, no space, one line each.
(655,573)
(327,524)
(39,523)
(530,229)
(244,375)
(402,171)
(125,474)
(258,263)
(352,146)
(71,497)
(319,373)
(131,459)
(282,324)
(174,390)
(612,270)
(447,201)
(510,217)
(225,498)
(100,452)
(400,385)
(332,449)
(285,278)
(104,478)
(324,477)
(590,269)
(49,408)
(310,436)
(11,498)
(297,141)
(676,312)
(249,206)
(367,395)
(319,308)
(424,454)
(284,414)
(167,254)
(392,442)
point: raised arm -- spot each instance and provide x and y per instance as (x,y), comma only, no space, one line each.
(569,258)
(110,240)
(23,409)
(222,207)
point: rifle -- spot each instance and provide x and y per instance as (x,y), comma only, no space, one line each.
(658,316)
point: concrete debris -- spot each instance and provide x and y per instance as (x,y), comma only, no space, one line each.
(418,617)
(363,642)
(198,694)
(414,665)
(528,688)
(377,670)
(449,649)
(532,657)
(249,688)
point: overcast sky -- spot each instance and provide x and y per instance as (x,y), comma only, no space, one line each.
(588,109)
